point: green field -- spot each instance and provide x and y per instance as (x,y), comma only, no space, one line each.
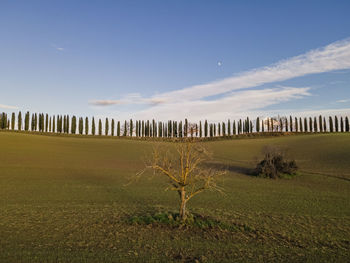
(64,199)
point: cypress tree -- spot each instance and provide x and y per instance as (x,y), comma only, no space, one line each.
(13,120)
(106,127)
(301,125)
(315,124)
(86,125)
(53,124)
(296,124)
(50,125)
(118,128)
(219,129)
(324,124)
(74,125)
(200,129)
(81,125)
(320,123)
(341,124)
(125,129)
(93,127)
(234,128)
(26,121)
(347,127)
(99,127)
(281,124)
(223,129)
(205,128)
(143,129)
(19,126)
(336,123)
(291,123)
(47,123)
(251,127)
(331,127)
(181,131)
(229,127)
(286,124)
(112,128)
(214,129)
(268,124)
(257,126)
(305,125)
(32,122)
(58,124)
(186,128)
(132,128)
(67,123)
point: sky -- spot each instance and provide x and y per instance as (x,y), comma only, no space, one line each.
(214,60)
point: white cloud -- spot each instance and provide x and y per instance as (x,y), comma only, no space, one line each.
(7,107)
(191,101)
(342,101)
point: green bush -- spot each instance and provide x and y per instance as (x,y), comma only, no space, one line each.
(274,165)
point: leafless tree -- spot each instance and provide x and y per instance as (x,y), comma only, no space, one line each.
(183,166)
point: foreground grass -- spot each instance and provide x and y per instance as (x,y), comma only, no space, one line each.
(64,199)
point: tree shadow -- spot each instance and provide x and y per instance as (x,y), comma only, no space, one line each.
(229,167)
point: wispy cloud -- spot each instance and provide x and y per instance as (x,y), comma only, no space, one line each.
(132,98)
(193,101)
(58,48)
(343,101)
(7,107)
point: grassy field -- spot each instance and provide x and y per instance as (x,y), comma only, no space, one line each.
(64,199)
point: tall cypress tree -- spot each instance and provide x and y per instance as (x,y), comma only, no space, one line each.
(26,121)
(205,128)
(50,125)
(234,128)
(125,129)
(305,124)
(200,129)
(315,124)
(229,127)
(112,127)
(296,124)
(257,126)
(86,125)
(320,123)
(118,128)
(99,127)
(67,123)
(347,127)
(106,127)
(143,129)
(74,125)
(223,126)
(336,123)
(19,122)
(81,125)
(331,127)
(93,127)
(186,128)
(53,124)
(262,126)
(341,124)
(132,127)
(324,124)
(13,121)
(291,123)
(47,123)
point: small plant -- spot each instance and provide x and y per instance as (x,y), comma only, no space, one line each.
(275,165)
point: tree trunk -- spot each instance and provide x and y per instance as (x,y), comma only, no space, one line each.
(183,204)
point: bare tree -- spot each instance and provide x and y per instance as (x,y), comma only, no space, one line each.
(184,169)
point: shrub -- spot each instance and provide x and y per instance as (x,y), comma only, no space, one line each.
(274,165)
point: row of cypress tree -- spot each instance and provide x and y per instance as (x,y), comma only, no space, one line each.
(65,124)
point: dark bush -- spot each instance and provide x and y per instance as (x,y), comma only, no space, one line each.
(274,165)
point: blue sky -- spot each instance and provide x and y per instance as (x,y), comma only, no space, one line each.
(175,59)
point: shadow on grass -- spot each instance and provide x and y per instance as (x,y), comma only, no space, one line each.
(229,167)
